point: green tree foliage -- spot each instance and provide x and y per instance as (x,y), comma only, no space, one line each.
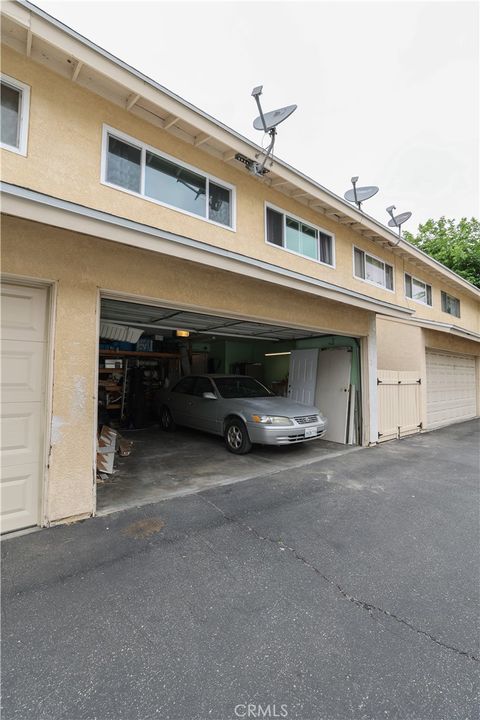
(455,244)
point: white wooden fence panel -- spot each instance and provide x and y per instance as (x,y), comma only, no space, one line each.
(387,405)
(398,404)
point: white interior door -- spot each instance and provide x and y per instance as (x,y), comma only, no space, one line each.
(22,407)
(302,376)
(333,382)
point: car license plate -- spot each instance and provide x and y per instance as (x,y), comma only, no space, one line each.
(310,432)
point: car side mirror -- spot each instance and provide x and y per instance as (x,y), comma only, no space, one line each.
(209,396)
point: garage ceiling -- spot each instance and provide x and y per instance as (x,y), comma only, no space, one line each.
(170,319)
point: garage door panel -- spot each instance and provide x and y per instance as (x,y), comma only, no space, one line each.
(20,433)
(23,313)
(20,497)
(22,371)
(451,389)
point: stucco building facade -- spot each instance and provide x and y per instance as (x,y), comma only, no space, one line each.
(84,220)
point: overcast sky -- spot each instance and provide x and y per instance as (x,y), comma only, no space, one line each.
(385,90)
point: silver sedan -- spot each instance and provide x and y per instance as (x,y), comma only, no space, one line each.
(241,409)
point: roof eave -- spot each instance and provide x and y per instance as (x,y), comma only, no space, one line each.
(323,200)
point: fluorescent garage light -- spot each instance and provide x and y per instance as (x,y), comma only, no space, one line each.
(274,354)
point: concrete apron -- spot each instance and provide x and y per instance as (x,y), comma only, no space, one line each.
(165,465)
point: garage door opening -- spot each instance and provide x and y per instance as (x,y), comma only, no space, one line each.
(144,350)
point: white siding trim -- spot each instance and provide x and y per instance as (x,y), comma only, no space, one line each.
(23,118)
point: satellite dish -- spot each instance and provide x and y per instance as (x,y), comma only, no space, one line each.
(397,220)
(359,195)
(268,123)
(272,119)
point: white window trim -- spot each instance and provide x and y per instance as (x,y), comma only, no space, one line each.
(374,257)
(144,147)
(24,115)
(407,297)
(305,222)
(453,298)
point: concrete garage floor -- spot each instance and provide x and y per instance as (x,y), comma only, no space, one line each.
(164,465)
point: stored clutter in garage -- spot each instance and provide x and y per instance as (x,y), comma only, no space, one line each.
(144,348)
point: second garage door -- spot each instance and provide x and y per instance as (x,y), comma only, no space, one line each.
(451,390)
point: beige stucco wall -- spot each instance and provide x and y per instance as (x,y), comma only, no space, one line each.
(64,159)
(402,346)
(450,343)
(399,346)
(80,265)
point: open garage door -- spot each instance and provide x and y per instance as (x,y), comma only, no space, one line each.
(144,349)
(451,388)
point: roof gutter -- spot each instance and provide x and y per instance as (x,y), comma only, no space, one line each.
(28,204)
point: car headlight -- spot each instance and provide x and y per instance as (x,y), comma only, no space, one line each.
(271,420)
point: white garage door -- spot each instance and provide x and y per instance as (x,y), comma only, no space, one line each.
(22,404)
(451,392)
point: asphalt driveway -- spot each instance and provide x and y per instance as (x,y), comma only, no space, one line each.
(344,590)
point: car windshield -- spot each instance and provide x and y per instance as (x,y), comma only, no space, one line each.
(237,386)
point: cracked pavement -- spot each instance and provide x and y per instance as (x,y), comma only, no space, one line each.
(346,590)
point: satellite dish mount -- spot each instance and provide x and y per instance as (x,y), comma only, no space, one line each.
(268,123)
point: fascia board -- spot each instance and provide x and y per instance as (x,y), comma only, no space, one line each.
(27,204)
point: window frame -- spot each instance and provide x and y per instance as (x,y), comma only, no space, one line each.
(407,297)
(443,297)
(23,115)
(107,130)
(378,259)
(317,228)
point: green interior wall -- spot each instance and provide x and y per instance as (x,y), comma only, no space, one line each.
(243,352)
(275,368)
(217,353)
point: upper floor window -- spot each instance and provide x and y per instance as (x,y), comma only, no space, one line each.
(418,290)
(138,168)
(450,304)
(15,101)
(294,234)
(372,269)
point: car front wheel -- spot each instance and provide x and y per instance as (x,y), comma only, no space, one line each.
(236,437)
